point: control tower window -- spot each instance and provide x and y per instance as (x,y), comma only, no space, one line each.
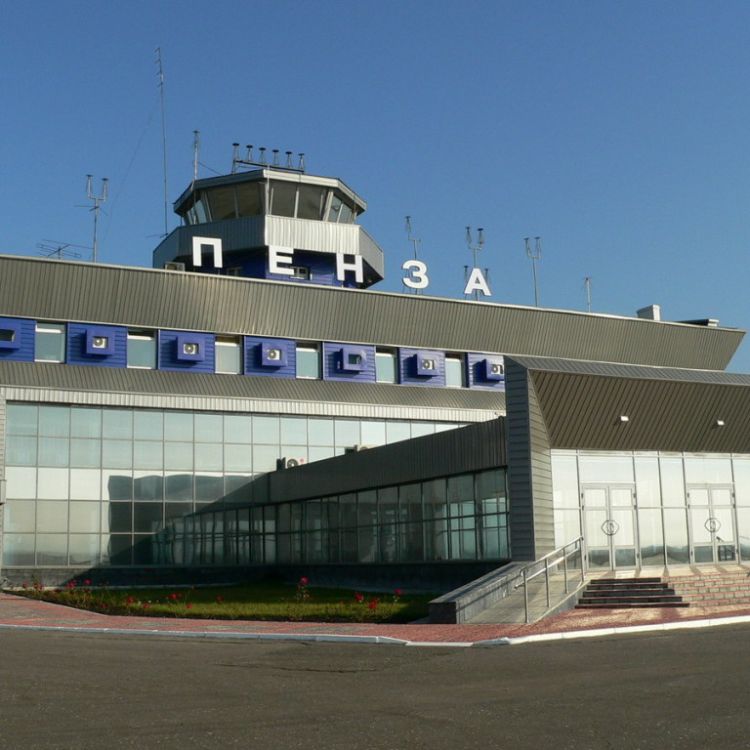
(222,203)
(311,202)
(340,212)
(283,198)
(249,199)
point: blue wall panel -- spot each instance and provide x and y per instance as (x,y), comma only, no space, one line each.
(22,348)
(332,363)
(477,370)
(168,354)
(77,355)
(253,366)
(408,367)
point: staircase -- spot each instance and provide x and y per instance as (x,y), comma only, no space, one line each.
(715,589)
(627,593)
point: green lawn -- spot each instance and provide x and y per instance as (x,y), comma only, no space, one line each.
(255,601)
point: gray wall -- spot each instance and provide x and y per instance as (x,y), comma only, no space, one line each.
(529,469)
(473,448)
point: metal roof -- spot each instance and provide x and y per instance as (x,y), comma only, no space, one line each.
(458,404)
(472,448)
(68,291)
(666,409)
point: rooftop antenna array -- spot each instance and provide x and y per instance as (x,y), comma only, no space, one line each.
(415,241)
(587,287)
(475,250)
(163,138)
(534,254)
(249,160)
(58,249)
(97,201)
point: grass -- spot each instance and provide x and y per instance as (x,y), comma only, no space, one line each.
(254,601)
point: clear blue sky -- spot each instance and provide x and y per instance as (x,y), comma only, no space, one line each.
(618,131)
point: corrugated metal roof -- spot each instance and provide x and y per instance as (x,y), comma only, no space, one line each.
(43,289)
(611,369)
(121,380)
(669,410)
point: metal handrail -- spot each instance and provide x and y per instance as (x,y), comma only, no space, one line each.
(561,555)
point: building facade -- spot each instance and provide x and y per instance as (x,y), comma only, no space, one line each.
(251,401)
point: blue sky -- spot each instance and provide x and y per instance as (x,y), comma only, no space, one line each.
(617,131)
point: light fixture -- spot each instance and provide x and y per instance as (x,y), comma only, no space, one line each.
(719,422)
(624,418)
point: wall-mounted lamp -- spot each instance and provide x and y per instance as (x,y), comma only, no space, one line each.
(624,418)
(719,422)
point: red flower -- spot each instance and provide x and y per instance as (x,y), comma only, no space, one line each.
(373,604)
(359,597)
(174,597)
(87,582)
(398,592)
(145,605)
(188,605)
(130,600)
(303,581)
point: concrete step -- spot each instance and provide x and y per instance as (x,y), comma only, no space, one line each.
(634,605)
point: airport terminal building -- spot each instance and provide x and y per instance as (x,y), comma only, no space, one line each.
(251,402)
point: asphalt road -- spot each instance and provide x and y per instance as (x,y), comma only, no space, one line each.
(680,690)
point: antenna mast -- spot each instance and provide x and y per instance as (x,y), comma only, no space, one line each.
(475,249)
(416,242)
(163,136)
(98,200)
(587,287)
(196,153)
(534,255)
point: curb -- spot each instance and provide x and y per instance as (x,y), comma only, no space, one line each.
(389,640)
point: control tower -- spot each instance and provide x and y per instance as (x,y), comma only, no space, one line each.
(266,221)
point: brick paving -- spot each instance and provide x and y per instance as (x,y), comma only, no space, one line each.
(17,611)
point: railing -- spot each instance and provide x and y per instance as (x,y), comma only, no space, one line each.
(496,596)
(549,566)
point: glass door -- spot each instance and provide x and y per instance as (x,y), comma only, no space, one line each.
(610,530)
(713,534)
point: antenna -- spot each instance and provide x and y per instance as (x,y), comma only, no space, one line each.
(475,249)
(196,153)
(98,200)
(534,255)
(587,287)
(249,161)
(415,241)
(163,137)
(58,249)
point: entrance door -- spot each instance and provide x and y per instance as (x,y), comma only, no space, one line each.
(610,526)
(713,535)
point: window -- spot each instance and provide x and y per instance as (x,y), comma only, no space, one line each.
(283,198)
(142,349)
(454,372)
(308,361)
(228,355)
(50,342)
(385,367)
(300,272)
(311,202)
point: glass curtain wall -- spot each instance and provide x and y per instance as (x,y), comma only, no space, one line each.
(451,518)
(91,486)
(640,509)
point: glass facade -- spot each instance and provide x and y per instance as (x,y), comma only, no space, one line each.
(461,517)
(640,509)
(89,486)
